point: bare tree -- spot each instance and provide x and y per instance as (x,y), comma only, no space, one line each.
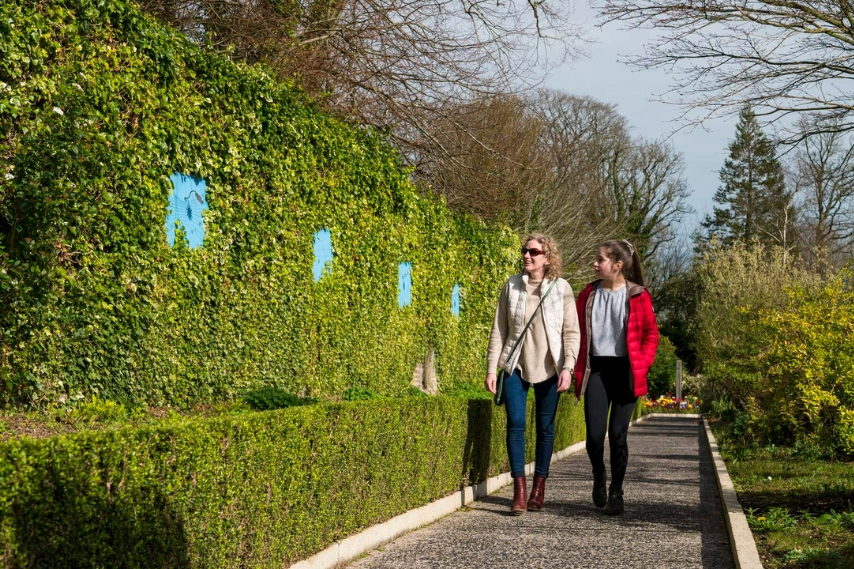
(560,164)
(823,173)
(671,261)
(606,183)
(579,136)
(396,64)
(487,159)
(781,57)
(652,196)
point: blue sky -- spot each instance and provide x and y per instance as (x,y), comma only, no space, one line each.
(605,77)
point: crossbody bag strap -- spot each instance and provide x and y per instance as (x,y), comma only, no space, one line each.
(522,335)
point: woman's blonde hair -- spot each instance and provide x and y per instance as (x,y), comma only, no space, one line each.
(555,267)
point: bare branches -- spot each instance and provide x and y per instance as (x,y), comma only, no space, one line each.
(491,162)
(396,64)
(781,57)
(562,165)
(823,174)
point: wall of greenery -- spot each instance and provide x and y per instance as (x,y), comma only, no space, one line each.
(99,105)
(260,489)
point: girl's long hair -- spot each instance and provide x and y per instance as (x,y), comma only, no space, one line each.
(555,267)
(622,250)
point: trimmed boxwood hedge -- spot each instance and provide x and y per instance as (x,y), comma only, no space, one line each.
(256,490)
(99,106)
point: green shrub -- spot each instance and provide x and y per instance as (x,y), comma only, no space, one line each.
(98,411)
(694,384)
(736,285)
(791,379)
(807,365)
(722,408)
(358,394)
(468,391)
(269,398)
(662,374)
(99,105)
(260,489)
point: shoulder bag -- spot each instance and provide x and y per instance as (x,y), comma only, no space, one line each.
(502,375)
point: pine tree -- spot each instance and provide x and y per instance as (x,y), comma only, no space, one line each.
(753,197)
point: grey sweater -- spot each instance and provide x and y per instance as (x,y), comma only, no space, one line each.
(608,319)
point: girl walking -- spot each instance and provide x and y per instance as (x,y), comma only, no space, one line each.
(619,337)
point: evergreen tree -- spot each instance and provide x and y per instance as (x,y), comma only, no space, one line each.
(753,197)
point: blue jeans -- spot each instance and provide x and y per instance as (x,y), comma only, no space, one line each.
(515,398)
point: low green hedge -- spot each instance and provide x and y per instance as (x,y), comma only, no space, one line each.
(254,490)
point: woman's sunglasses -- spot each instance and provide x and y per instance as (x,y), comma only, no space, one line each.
(532,252)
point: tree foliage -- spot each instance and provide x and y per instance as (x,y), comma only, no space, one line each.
(754,200)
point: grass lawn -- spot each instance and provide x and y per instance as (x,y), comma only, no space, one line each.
(799,507)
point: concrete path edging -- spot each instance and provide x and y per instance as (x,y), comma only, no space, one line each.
(744,551)
(341,552)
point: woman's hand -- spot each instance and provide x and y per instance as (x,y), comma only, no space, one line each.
(564,380)
(491,380)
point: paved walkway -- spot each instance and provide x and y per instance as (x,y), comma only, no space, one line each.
(673,517)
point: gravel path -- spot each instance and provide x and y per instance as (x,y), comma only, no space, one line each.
(673,516)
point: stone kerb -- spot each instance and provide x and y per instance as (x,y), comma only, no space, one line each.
(744,550)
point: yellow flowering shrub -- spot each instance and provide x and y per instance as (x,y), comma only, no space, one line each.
(807,363)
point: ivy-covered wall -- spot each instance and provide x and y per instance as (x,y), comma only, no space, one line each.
(99,107)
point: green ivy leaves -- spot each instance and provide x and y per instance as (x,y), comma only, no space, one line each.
(98,106)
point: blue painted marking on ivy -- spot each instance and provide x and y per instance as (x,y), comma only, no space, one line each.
(186,204)
(404,284)
(322,253)
(455,300)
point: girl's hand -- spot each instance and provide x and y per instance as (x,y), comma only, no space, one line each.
(491,380)
(564,380)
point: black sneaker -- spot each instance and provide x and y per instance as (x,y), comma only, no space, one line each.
(600,496)
(614,507)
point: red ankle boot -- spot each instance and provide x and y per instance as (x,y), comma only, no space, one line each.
(538,493)
(519,491)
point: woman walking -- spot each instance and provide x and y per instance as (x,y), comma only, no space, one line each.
(535,339)
(619,337)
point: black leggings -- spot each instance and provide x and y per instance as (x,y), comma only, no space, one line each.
(609,385)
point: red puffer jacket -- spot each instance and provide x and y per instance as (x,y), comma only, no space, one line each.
(641,336)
